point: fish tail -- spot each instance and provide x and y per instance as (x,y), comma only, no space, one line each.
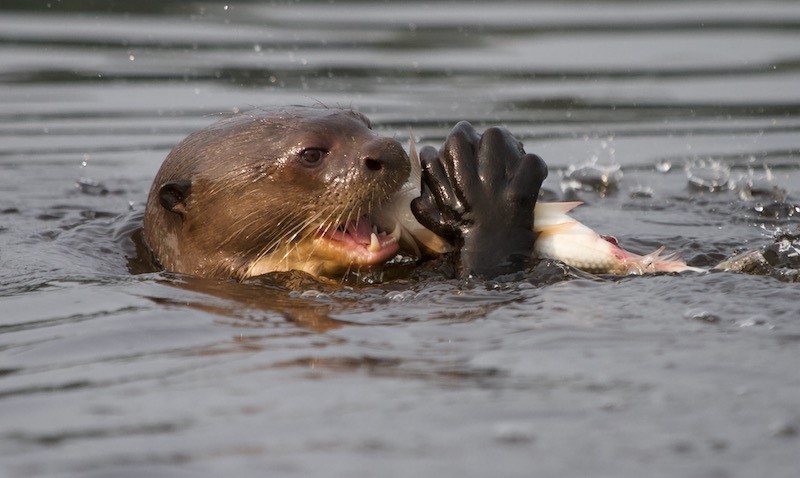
(656,262)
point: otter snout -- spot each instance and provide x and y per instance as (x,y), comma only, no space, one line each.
(386,156)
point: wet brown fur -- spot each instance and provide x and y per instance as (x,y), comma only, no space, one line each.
(252,199)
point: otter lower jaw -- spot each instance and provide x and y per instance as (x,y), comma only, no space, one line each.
(362,243)
(332,251)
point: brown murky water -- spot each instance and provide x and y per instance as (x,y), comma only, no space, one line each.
(108,373)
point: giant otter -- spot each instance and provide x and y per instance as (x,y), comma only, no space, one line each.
(316,190)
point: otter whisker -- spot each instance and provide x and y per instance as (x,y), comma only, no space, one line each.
(254,222)
(327,225)
(286,232)
(288,239)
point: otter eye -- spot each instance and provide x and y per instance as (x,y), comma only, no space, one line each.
(312,156)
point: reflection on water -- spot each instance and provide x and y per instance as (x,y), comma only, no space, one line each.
(692,106)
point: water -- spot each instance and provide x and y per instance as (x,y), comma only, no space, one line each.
(108,373)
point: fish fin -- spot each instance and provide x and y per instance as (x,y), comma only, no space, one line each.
(427,243)
(556,207)
(553,229)
(546,214)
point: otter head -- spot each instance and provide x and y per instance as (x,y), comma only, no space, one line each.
(275,190)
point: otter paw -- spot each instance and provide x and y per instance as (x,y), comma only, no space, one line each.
(479,192)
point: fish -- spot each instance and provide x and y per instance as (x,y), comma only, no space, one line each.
(563,238)
(559,236)
(395,215)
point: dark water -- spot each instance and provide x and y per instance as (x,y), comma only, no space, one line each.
(106,373)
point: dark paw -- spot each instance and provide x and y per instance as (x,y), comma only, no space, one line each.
(479,192)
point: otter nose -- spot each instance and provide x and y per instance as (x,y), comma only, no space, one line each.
(373,164)
(386,155)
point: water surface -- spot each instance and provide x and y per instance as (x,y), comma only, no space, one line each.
(108,373)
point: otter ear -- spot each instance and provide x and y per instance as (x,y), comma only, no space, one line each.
(173,195)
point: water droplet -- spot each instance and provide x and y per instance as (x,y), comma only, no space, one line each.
(708,175)
(400,296)
(663,165)
(225,8)
(257,48)
(91,187)
(131,57)
(777,210)
(752,322)
(314,294)
(641,192)
(594,177)
(752,185)
(702,316)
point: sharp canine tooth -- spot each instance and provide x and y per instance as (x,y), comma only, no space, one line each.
(397,231)
(374,243)
(374,229)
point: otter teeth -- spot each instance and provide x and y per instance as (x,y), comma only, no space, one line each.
(374,243)
(397,231)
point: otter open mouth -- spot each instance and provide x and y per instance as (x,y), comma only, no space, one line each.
(362,243)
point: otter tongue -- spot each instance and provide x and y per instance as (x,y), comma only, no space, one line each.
(361,230)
